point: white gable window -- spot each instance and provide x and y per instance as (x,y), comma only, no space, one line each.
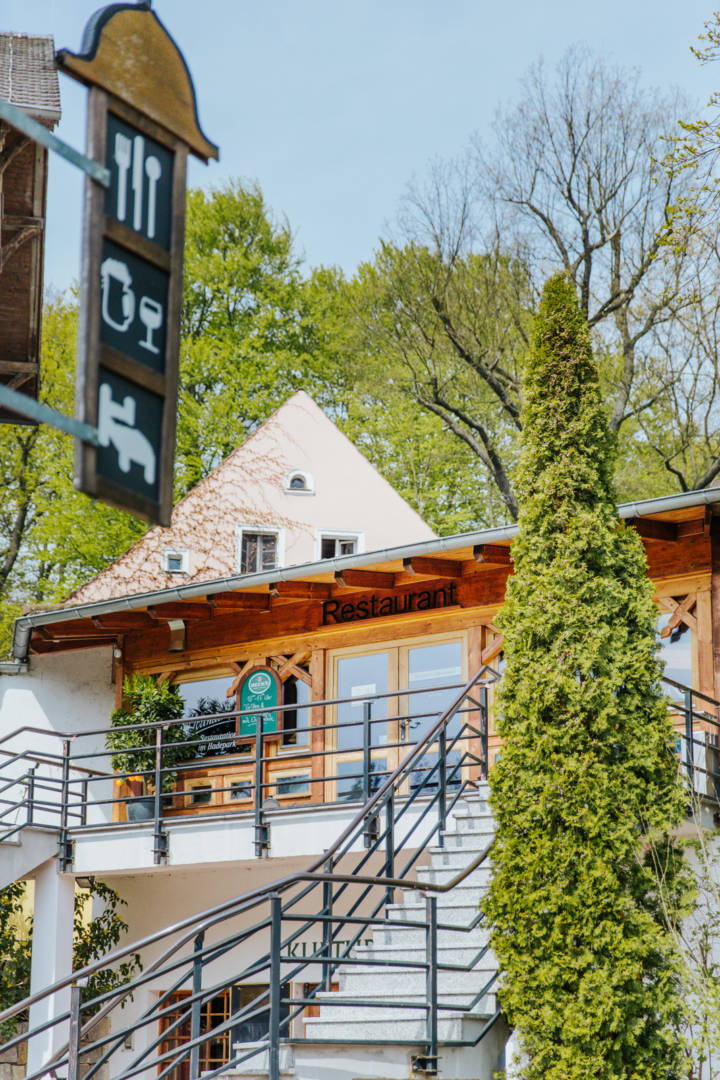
(259,547)
(299,482)
(330,544)
(176,561)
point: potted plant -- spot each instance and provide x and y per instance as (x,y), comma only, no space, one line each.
(144,702)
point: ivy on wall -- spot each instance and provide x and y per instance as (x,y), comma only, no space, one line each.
(586,789)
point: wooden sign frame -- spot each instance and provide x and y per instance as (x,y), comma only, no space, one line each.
(96,227)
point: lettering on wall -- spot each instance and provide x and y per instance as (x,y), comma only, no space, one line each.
(375,607)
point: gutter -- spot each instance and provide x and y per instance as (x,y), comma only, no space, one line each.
(25,623)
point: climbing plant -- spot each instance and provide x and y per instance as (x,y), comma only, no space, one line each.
(586,789)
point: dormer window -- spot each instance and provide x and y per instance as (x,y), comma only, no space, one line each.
(299,482)
(176,561)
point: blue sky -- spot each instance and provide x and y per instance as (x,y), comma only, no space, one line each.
(333,106)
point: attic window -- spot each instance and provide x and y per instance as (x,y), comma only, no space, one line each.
(299,482)
(176,561)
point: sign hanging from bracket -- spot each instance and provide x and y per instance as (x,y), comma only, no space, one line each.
(142,122)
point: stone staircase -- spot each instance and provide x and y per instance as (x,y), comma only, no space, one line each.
(470,831)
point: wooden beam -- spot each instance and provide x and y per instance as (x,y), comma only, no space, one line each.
(681,614)
(648,529)
(300,590)
(491,651)
(365,579)
(493,554)
(79,628)
(437,568)
(290,666)
(715,599)
(123,620)
(233,687)
(187,612)
(226,603)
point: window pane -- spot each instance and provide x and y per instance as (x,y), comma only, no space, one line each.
(205,699)
(347,547)
(269,549)
(350,780)
(294,785)
(248,556)
(428,666)
(676,655)
(327,548)
(360,677)
(296,722)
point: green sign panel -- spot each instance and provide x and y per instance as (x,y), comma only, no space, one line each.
(260,691)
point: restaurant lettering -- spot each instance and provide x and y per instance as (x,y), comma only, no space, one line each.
(374,607)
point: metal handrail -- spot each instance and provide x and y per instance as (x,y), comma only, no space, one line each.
(311,878)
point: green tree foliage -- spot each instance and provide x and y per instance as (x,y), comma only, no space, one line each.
(419,337)
(252,333)
(93,937)
(586,778)
(15,952)
(51,537)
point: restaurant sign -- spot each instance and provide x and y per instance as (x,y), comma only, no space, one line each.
(261,691)
(377,606)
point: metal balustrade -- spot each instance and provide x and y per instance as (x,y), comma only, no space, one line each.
(344,894)
(341,897)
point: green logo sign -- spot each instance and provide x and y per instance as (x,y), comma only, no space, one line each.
(260,691)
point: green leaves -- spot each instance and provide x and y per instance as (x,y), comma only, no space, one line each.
(586,780)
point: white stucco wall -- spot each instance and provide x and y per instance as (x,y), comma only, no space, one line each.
(69,693)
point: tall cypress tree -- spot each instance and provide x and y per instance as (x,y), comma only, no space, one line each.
(586,789)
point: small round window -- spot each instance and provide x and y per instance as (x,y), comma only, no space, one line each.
(298,483)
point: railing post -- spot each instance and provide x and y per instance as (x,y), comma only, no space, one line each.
(431,984)
(65,853)
(160,848)
(196,1009)
(327,928)
(84,788)
(30,796)
(389,846)
(74,1034)
(370,830)
(367,716)
(484,725)
(689,745)
(442,782)
(275,988)
(261,830)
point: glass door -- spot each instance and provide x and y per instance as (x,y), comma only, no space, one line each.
(358,678)
(425,668)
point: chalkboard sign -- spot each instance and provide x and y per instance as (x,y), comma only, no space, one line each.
(260,690)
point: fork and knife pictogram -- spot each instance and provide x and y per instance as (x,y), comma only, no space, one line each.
(129,154)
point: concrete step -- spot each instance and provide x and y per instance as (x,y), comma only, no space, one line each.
(338,1014)
(441,875)
(401,938)
(451,1028)
(460,857)
(380,983)
(460,953)
(475,841)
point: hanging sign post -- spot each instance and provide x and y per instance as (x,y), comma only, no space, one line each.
(142,122)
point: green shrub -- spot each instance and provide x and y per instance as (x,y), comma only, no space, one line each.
(144,702)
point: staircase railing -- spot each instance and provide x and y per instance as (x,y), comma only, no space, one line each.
(341,896)
(347,891)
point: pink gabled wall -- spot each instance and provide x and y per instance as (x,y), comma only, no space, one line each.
(348,496)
